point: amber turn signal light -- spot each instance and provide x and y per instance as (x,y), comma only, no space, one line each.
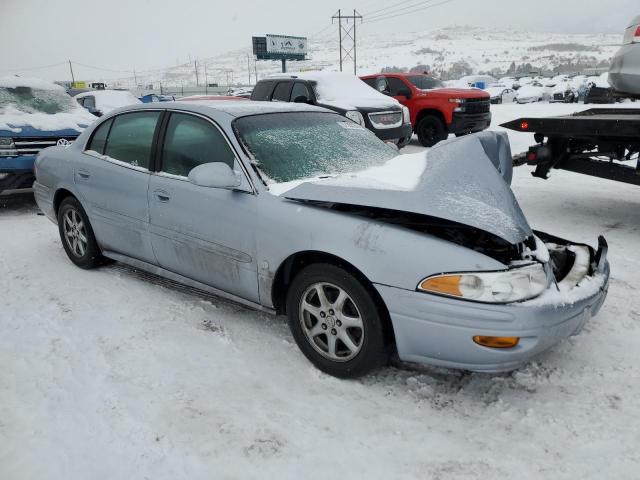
(496,342)
(446,284)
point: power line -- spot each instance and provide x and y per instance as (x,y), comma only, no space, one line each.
(418,4)
(390,7)
(28,69)
(409,12)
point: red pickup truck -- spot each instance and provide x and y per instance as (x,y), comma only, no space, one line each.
(436,111)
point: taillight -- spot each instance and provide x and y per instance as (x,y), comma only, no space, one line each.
(632,35)
(524,125)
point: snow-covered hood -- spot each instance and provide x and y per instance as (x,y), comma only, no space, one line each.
(14,120)
(461,180)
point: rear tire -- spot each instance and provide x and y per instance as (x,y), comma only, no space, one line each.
(430,131)
(335,321)
(77,236)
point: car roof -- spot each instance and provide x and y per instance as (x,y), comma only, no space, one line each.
(231,108)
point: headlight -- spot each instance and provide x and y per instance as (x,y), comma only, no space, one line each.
(406,115)
(507,286)
(355,116)
(7,147)
(460,102)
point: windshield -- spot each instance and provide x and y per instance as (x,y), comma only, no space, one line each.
(425,82)
(32,100)
(297,145)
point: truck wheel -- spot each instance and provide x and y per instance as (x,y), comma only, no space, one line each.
(430,131)
(77,235)
(335,321)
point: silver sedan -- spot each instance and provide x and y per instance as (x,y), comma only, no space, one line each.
(293,209)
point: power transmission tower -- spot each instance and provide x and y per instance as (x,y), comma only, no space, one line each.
(346,32)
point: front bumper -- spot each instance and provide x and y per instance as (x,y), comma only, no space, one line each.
(16,174)
(469,123)
(439,331)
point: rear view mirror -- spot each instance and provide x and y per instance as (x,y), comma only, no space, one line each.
(214,175)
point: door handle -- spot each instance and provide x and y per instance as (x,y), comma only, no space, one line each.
(162,196)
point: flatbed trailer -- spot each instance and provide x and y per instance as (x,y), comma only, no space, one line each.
(593,142)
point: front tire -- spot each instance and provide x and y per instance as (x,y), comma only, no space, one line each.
(77,236)
(335,321)
(430,131)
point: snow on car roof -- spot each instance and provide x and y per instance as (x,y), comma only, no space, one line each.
(241,109)
(13,81)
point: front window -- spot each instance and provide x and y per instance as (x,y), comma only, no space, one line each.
(424,82)
(34,100)
(298,145)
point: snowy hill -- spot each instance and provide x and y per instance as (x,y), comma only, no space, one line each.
(449,53)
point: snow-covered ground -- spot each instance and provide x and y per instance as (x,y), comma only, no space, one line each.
(116,374)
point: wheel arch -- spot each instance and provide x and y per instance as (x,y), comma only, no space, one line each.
(59,196)
(431,112)
(293,264)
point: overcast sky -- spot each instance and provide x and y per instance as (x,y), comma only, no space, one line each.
(145,34)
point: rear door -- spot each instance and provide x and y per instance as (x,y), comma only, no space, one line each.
(206,234)
(113,181)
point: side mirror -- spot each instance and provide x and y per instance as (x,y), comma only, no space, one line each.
(214,175)
(302,99)
(404,92)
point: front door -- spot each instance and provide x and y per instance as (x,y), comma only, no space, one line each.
(114,180)
(206,234)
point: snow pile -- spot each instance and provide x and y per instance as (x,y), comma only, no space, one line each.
(400,173)
(346,91)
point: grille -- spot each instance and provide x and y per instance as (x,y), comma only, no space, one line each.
(558,96)
(33,145)
(477,105)
(386,119)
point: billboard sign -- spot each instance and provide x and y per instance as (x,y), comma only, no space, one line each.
(280,47)
(283,44)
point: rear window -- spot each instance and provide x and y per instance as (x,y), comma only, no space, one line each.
(131,137)
(425,82)
(262,91)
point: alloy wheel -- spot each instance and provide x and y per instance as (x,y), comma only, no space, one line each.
(75,232)
(331,322)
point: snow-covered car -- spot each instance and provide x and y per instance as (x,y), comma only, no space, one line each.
(533,92)
(367,251)
(500,93)
(510,82)
(100,102)
(345,94)
(34,114)
(479,81)
(564,92)
(242,92)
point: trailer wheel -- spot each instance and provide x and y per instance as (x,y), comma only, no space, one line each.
(430,130)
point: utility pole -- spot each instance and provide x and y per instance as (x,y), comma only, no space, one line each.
(73,80)
(195,66)
(346,31)
(249,68)
(206,79)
